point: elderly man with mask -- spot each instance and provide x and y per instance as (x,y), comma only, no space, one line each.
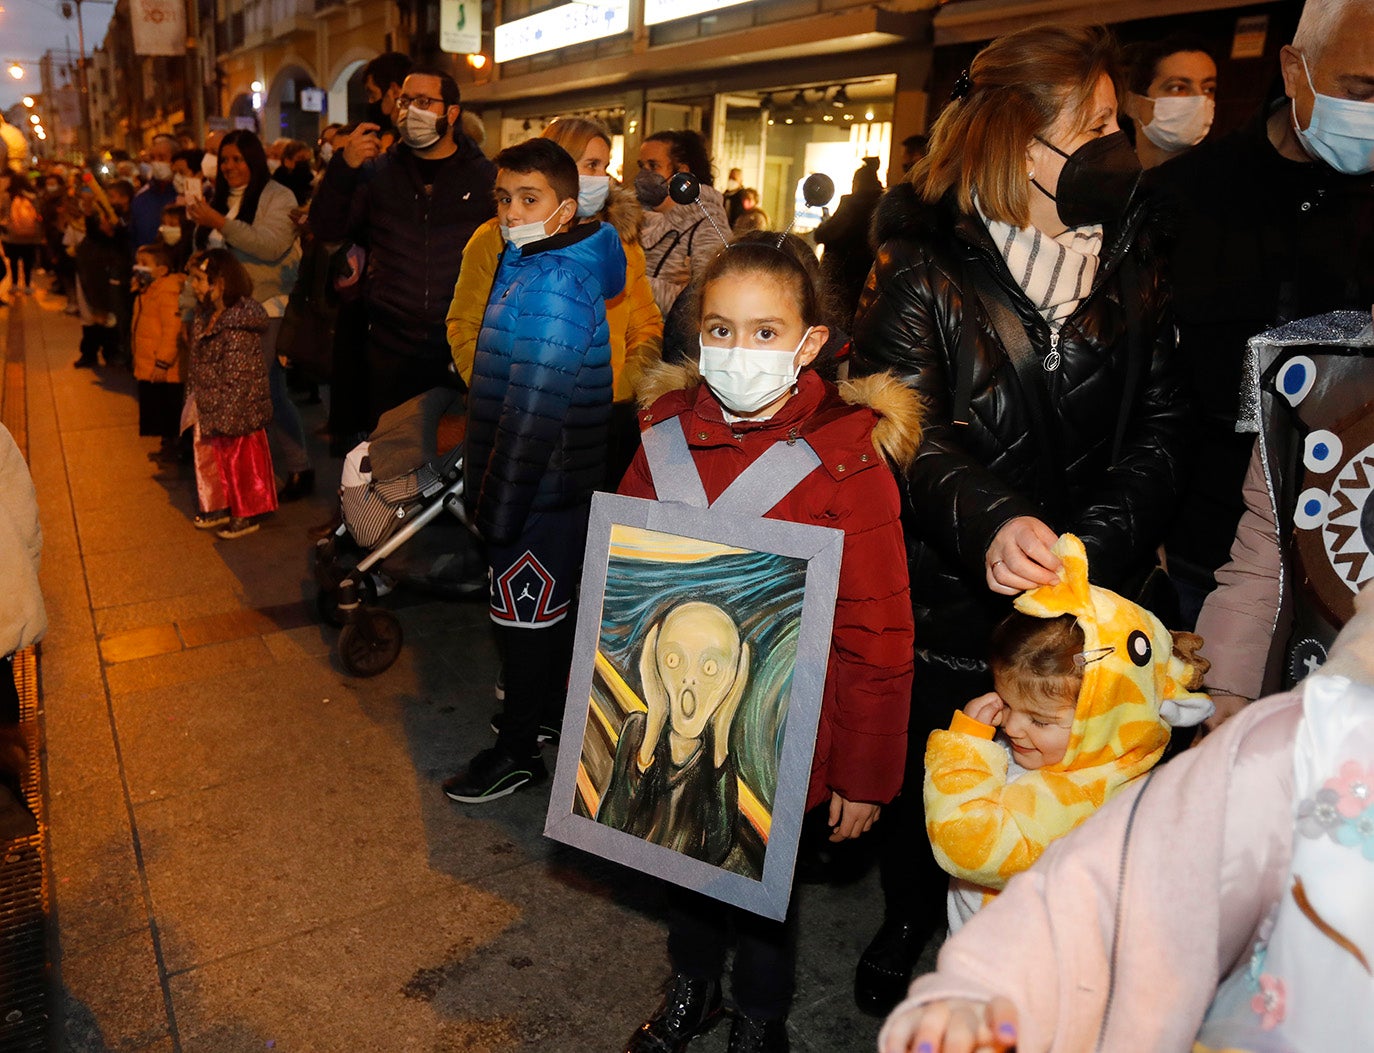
(412,208)
(1273,222)
(145,214)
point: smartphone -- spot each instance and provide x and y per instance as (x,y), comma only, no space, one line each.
(195,190)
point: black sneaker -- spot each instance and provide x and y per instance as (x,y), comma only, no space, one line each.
(492,774)
(690,1008)
(211,520)
(750,1035)
(884,969)
(238,526)
(547,732)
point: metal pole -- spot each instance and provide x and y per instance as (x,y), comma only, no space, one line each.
(84,90)
(195,76)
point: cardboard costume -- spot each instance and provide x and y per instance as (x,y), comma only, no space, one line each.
(986,829)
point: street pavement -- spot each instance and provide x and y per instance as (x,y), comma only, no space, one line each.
(250,849)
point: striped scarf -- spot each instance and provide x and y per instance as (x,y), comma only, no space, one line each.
(1055,273)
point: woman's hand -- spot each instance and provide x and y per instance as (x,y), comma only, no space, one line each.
(849,819)
(986,709)
(203,215)
(1019,557)
(953,1025)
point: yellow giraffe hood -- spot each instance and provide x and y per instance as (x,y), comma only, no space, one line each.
(1133,683)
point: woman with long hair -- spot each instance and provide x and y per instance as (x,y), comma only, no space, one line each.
(1016,290)
(250,215)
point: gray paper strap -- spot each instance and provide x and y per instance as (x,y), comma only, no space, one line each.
(768,480)
(670,464)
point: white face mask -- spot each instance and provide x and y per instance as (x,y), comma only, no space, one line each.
(273,164)
(209,166)
(746,379)
(326,152)
(170,235)
(161,171)
(592,193)
(1341,131)
(421,129)
(527,233)
(179,183)
(1180,121)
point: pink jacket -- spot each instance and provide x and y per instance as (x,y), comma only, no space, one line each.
(1238,620)
(1117,938)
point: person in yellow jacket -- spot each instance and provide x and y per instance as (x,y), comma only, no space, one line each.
(1088,685)
(157,348)
(633,316)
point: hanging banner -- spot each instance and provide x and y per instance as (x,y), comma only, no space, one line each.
(460,26)
(561,27)
(159,26)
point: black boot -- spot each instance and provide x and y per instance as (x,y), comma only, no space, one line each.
(884,970)
(90,347)
(690,1008)
(298,485)
(750,1035)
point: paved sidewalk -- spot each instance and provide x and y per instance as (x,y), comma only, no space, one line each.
(250,849)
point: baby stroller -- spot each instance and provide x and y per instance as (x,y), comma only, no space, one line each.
(394,488)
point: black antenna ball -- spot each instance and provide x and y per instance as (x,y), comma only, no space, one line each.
(684,188)
(818,189)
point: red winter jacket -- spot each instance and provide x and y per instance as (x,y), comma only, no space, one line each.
(861,740)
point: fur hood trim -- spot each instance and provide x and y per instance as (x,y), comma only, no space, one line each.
(898,431)
(623,212)
(896,435)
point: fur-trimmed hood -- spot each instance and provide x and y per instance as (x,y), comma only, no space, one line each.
(623,212)
(896,435)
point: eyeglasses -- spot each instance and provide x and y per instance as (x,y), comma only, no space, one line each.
(424,102)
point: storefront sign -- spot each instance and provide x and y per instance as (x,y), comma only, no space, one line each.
(159,26)
(561,27)
(460,26)
(656,11)
(312,100)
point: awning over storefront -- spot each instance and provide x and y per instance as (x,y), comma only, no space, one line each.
(856,29)
(964,21)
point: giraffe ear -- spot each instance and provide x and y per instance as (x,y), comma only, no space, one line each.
(1071,594)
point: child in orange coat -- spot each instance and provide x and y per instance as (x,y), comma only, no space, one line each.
(157,347)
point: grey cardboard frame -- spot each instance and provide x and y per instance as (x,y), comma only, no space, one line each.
(822,548)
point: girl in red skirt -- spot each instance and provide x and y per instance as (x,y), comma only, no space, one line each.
(227,399)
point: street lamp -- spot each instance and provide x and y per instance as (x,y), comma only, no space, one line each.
(16,71)
(28,101)
(34,119)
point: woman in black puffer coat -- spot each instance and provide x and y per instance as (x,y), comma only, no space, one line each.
(1015,289)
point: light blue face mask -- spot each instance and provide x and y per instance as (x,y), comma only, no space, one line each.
(591,194)
(1341,131)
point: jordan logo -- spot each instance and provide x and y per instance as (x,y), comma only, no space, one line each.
(524,593)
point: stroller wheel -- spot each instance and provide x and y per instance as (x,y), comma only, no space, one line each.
(327,600)
(371,643)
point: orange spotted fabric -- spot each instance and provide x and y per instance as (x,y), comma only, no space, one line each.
(985,829)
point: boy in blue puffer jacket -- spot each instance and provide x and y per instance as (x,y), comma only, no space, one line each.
(538,411)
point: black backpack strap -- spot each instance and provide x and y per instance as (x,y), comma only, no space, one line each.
(1135,360)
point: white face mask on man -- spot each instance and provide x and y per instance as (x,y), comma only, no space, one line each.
(1180,121)
(746,379)
(523,234)
(421,129)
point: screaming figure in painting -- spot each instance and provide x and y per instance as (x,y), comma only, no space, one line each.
(674,782)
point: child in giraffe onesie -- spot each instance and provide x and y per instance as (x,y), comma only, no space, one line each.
(1087,686)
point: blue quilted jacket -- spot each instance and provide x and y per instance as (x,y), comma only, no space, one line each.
(540,396)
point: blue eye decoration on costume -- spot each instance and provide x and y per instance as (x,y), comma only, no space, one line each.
(1322,451)
(1311,510)
(1296,378)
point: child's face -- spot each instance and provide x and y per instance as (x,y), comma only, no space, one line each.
(527,197)
(1037,728)
(156,269)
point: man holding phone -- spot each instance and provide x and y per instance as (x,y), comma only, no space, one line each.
(413,207)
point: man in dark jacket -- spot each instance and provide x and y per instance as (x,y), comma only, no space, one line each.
(1274,222)
(413,208)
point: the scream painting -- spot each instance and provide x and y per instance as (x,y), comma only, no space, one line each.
(690,695)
